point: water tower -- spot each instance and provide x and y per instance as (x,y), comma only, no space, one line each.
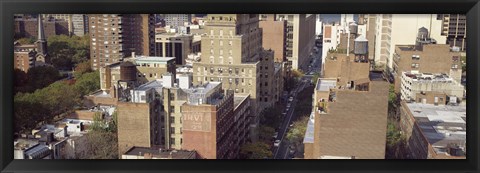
(128,80)
(361,49)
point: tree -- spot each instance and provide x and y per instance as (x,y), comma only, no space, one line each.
(20,80)
(40,77)
(100,145)
(266,133)
(464,63)
(297,74)
(87,83)
(66,51)
(296,134)
(315,77)
(257,150)
(82,68)
(271,116)
(30,40)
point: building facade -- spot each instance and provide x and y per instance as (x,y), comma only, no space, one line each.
(174,45)
(414,84)
(80,24)
(274,36)
(399,29)
(455,28)
(433,58)
(177,20)
(232,53)
(434,131)
(115,36)
(300,38)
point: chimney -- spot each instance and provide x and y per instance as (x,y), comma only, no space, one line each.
(133,54)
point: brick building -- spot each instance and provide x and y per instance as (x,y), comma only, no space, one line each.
(115,36)
(349,118)
(432,58)
(29,27)
(434,130)
(209,123)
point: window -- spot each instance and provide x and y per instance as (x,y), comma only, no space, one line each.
(172,141)
(172,130)
(142,98)
(172,109)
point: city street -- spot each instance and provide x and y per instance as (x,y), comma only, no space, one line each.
(282,152)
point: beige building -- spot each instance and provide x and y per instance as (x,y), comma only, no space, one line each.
(432,58)
(415,84)
(349,117)
(232,53)
(300,38)
(175,45)
(390,30)
(274,36)
(148,69)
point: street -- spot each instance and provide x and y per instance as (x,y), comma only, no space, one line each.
(282,151)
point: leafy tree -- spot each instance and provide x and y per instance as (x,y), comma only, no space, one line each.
(40,77)
(20,80)
(66,51)
(304,105)
(257,150)
(30,40)
(266,133)
(297,74)
(100,145)
(112,125)
(392,96)
(82,68)
(272,116)
(315,77)
(296,133)
(464,63)
(88,82)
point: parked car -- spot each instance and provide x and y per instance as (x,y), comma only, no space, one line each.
(276,143)
(288,105)
(290,99)
(284,113)
(275,135)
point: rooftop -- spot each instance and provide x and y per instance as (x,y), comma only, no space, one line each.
(162,153)
(37,150)
(326,84)
(150,59)
(238,99)
(428,77)
(203,93)
(442,124)
(149,85)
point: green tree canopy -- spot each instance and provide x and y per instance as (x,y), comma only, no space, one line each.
(257,150)
(100,145)
(88,82)
(66,51)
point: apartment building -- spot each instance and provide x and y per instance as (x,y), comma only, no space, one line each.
(232,53)
(415,84)
(434,130)
(80,24)
(28,27)
(177,20)
(350,109)
(390,30)
(349,117)
(139,116)
(115,36)
(425,57)
(174,45)
(274,36)
(300,38)
(454,26)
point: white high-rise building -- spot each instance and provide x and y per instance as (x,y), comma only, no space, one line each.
(401,29)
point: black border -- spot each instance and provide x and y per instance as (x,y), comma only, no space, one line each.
(10,7)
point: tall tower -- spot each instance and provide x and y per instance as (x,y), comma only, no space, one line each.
(42,53)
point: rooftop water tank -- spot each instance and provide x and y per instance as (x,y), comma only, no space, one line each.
(361,45)
(128,71)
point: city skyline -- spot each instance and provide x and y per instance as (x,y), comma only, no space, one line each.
(240,86)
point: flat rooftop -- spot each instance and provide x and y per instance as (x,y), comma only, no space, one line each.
(161,153)
(442,124)
(150,59)
(326,84)
(101,93)
(428,77)
(149,85)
